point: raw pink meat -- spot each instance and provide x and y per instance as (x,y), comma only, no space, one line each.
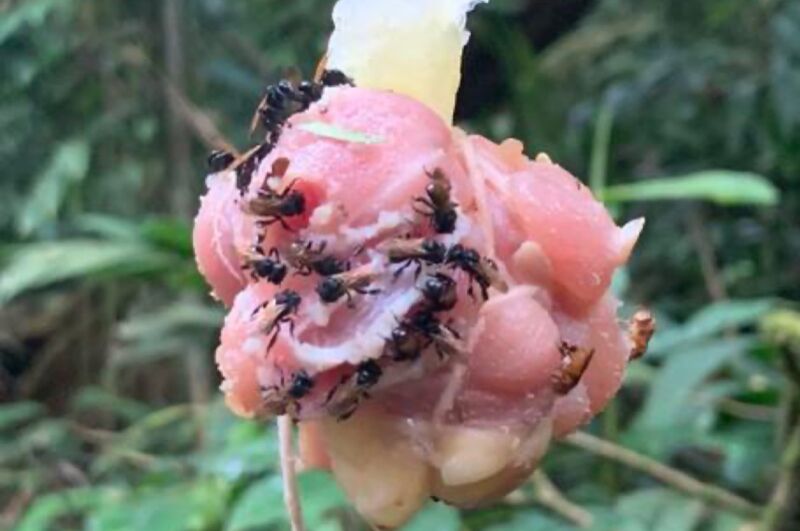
(553,245)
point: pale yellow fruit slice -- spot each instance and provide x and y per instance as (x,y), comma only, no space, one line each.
(413,47)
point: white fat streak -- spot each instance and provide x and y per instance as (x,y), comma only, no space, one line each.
(365,343)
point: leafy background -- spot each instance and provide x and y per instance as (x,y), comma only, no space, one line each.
(687,112)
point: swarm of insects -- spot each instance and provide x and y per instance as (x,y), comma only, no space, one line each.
(437,205)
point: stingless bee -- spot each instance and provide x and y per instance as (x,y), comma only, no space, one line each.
(332,288)
(437,205)
(273,207)
(283,398)
(266,266)
(440,292)
(246,165)
(277,312)
(419,331)
(415,251)
(574,362)
(344,398)
(220,160)
(308,259)
(480,270)
(641,328)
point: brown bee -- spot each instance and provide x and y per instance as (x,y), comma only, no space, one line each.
(332,288)
(283,397)
(273,207)
(344,398)
(277,312)
(641,328)
(439,208)
(574,362)
(415,251)
(419,331)
(307,259)
(440,292)
(480,270)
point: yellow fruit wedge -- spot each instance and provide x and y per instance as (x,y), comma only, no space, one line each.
(413,47)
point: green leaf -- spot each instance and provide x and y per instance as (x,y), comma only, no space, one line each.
(262,505)
(709,322)
(198,505)
(29,13)
(169,234)
(44,511)
(67,167)
(37,265)
(17,413)
(679,377)
(718,186)
(660,510)
(96,399)
(338,133)
(435,516)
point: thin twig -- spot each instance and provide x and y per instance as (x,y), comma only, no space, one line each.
(715,285)
(666,474)
(778,510)
(288,471)
(548,495)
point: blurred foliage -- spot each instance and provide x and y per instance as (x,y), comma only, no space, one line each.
(684,111)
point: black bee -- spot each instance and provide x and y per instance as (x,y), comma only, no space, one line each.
(246,165)
(277,312)
(331,289)
(479,269)
(269,266)
(574,362)
(274,207)
(415,251)
(279,103)
(440,292)
(344,398)
(334,78)
(301,385)
(438,206)
(413,335)
(307,259)
(219,160)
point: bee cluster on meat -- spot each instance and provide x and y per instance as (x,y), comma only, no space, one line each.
(420,329)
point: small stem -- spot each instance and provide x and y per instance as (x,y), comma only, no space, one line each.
(779,511)
(666,474)
(548,495)
(289,474)
(715,285)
